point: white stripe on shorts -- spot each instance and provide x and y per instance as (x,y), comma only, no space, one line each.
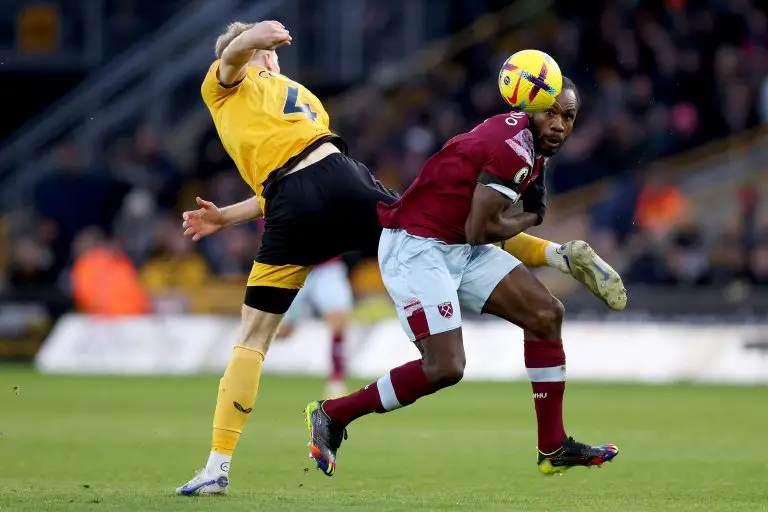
(551,374)
(387,393)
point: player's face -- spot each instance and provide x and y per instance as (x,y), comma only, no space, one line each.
(554,126)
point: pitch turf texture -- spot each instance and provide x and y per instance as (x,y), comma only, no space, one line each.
(110,443)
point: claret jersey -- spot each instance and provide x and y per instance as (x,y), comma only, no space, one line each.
(498,153)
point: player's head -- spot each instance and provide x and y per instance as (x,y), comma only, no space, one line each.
(552,127)
(266,59)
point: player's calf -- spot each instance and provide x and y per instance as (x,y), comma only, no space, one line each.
(442,365)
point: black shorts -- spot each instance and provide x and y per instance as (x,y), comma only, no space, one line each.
(322,211)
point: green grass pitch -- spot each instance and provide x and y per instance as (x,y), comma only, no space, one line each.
(110,443)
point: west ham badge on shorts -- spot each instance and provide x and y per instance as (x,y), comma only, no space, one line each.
(445,309)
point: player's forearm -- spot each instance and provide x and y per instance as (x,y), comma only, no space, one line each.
(237,56)
(244,211)
(503,227)
(240,50)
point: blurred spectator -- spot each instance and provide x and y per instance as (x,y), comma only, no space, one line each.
(646,265)
(727,257)
(231,253)
(72,198)
(686,258)
(210,156)
(31,265)
(153,161)
(104,280)
(175,270)
(140,163)
(758,264)
(660,207)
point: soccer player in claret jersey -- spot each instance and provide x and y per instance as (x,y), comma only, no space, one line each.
(435,259)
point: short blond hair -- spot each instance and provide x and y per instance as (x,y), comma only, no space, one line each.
(234,29)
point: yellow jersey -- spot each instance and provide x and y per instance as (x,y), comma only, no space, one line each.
(263,121)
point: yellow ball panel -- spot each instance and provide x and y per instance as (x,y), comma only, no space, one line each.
(530,80)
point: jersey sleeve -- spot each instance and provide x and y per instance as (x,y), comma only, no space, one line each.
(508,155)
(213,91)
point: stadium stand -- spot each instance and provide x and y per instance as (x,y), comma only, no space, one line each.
(664,105)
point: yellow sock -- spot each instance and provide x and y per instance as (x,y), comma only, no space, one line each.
(530,250)
(237,394)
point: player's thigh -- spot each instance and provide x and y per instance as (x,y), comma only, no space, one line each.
(330,291)
(421,282)
(488,265)
(522,299)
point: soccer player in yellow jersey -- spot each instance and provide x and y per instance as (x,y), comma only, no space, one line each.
(316,202)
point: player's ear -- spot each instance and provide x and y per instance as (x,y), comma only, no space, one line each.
(269,62)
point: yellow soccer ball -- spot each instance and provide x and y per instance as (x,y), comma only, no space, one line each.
(530,80)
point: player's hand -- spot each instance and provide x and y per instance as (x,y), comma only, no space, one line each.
(205,221)
(270,35)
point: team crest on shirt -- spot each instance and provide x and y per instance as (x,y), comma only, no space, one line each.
(521,175)
(445,309)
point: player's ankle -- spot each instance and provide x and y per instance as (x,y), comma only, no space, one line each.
(554,256)
(218,463)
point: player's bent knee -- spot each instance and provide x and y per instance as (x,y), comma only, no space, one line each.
(548,318)
(445,372)
(258,328)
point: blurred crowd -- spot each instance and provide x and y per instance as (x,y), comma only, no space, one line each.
(654,229)
(654,80)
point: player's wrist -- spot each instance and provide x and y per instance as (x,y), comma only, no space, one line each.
(227,217)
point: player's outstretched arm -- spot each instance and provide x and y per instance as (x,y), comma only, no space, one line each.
(266,35)
(489,220)
(210,219)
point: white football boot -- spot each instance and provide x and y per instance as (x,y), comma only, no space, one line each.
(205,482)
(589,269)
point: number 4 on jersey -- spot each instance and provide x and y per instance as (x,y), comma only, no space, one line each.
(292,105)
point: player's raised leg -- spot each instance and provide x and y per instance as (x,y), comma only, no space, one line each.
(261,315)
(589,269)
(424,292)
(576,258)
(521,299)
